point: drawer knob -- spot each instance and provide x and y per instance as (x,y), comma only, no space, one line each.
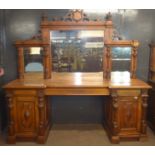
(135,97)
(27,114)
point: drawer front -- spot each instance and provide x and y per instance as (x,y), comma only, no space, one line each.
(76,91)
(25,92)
(128,92)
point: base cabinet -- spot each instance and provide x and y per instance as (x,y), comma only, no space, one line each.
(28,116)
(125,115)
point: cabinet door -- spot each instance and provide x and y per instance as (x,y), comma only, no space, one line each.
(26,114)
(129,114)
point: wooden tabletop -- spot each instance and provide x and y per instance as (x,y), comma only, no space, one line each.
(77,80)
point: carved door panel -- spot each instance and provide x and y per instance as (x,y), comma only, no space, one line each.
(26,114)
(129,114)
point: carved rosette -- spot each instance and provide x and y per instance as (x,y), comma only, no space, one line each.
(144,111)
(115,111)
(41,106)
(9,98)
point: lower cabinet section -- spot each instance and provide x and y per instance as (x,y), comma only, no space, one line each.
(125,115)
(28,116)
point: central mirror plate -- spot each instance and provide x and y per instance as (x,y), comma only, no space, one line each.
(77,50)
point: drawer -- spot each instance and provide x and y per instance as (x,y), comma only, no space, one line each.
(128,92)
(25,92)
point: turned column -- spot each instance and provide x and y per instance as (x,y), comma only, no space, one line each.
(47,62)
(11,125)
(144,113)
(41,107)
(133,62)
(107,63)
(21,62)
(115,117)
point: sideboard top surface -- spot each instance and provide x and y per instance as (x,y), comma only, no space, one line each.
(77,80)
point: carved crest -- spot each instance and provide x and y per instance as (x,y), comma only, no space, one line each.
(76,15)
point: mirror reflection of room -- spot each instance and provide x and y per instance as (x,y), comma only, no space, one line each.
(33,59)
(121,59)
(77,50)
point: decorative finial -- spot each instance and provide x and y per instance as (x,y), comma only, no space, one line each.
(44,17)
(37,36)
(108,16)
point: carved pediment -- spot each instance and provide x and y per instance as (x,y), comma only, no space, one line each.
(76,15)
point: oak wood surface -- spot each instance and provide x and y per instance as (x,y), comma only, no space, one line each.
(27,97)
(75,80)
(125,97)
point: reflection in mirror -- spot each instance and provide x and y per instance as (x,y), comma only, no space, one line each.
(33,59)
(77,51)
(121,58)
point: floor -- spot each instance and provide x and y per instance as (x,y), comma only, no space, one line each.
(82,135)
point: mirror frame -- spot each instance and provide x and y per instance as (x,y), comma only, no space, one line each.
(21,44)
(121,43)
(74,20)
